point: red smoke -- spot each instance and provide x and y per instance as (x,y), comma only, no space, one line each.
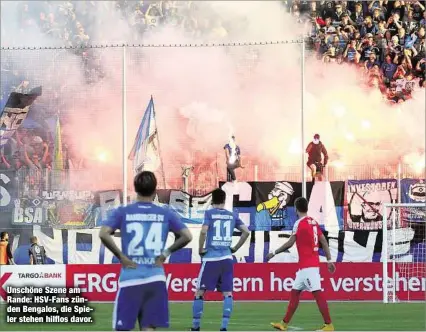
(203,94)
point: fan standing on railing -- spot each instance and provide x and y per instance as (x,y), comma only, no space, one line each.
(233,159)
(315,150)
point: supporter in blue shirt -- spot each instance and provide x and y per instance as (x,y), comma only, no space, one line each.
(371,62)
(388,68)
(350,54)
(368,27)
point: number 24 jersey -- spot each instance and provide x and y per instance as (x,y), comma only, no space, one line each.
(144,231)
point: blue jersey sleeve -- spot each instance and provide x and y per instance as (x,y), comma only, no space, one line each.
(175,222)
(115,219)
(207,219)
(238,221)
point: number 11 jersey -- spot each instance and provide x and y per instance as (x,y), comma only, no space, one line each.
(219,235)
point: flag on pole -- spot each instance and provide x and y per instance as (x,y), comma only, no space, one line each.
(58,162)
(145,153)
(15,112)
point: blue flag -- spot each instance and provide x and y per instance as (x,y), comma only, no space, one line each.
(144,153)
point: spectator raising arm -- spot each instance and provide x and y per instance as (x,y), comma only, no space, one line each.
(350,53)
(400,72)
(419,65)
(4,160)
(412,49)
(19,137)
(396,21)
(45,154)
(27,158)
(418,3)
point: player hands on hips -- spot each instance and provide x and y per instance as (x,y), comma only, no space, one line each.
(307,235)
(217,271)
(142,292)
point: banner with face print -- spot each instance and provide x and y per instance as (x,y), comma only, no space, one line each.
(266,207)
(413,191)
(365,199)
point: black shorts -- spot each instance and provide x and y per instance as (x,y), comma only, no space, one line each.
(319,166)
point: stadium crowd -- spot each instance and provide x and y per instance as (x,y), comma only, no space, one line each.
(385,39)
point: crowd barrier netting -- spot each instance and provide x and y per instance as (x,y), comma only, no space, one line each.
(198,105)
(195,111)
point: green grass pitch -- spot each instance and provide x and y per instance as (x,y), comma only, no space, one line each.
(256,316)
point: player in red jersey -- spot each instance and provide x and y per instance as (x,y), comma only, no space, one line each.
(307,235)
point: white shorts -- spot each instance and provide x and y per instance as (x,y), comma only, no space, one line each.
(308,279)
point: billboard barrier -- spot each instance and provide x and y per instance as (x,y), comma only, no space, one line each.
(252,282)
(256,282)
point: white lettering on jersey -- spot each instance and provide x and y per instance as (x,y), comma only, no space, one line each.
(144,260)
(222,216)
(144,217)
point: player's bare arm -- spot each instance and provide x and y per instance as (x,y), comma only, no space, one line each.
(326,248)
(202,240)
(291,241)
(183,238)
(106,238)
(243,238)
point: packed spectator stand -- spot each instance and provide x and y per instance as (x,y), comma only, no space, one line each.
(385,39)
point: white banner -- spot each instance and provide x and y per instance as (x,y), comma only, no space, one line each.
(10,120)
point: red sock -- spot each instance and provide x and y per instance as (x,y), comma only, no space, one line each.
(322,306)
(292,305)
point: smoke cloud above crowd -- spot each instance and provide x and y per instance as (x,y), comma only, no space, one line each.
(203,95)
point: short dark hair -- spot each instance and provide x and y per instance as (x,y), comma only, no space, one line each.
(145,183)
(218,196)
(301,204)
(3,235)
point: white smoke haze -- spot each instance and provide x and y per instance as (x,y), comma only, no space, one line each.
(203,94)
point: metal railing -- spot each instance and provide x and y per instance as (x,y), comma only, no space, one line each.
(201,180)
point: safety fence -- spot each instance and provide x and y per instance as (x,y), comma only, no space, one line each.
(201,180)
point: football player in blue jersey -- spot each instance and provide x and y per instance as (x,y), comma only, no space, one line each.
(217,270)
(142,291)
